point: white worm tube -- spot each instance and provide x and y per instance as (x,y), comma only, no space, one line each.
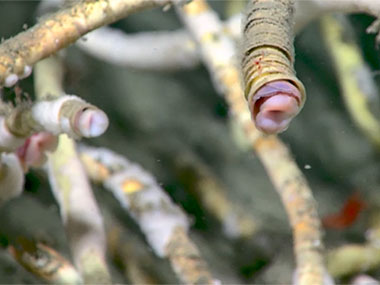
(11,177)
(71,115)
(8,141)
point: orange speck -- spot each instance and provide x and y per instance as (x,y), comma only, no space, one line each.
(132,185)
(95,169)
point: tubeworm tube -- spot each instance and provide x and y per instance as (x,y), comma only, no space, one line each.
(275,95)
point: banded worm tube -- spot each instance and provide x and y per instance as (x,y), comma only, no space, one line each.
(274,94)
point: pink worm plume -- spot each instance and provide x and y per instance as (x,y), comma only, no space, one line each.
(274,105)
(32,152)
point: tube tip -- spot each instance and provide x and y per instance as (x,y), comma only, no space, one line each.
(92,123)
(11,80)
(275,105)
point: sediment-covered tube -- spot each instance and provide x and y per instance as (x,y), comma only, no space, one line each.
(275,95)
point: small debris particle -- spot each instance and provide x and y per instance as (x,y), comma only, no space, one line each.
(166,7)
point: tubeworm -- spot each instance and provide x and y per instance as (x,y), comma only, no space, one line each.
(274,94)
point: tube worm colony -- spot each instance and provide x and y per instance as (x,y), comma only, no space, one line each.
(275,95)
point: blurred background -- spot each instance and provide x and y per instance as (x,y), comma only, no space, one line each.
(176,126)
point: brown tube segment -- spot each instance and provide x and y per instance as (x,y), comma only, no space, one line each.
(268,48)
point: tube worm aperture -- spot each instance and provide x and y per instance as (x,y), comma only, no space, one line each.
(274,105)
(275,95)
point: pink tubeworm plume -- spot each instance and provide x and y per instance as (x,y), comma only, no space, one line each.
(32,152)
(274,105)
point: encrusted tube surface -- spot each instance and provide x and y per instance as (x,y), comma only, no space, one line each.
(268,56)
